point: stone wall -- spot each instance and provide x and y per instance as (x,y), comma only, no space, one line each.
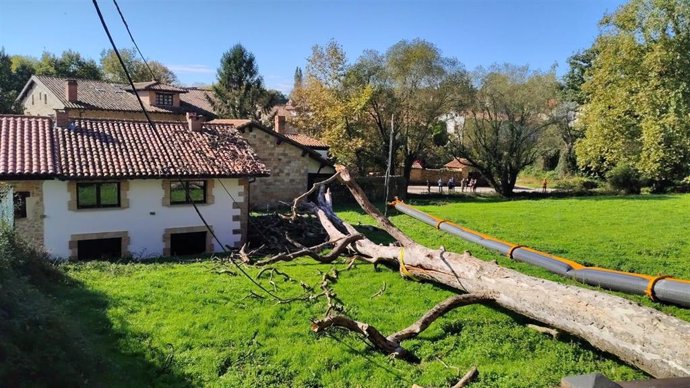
(290,168)
(374,188)
(419,176)
(30,229)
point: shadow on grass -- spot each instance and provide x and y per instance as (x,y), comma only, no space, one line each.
(54,331)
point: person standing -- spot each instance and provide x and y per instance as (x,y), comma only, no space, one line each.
(428,187)
(544,183)
(440,185)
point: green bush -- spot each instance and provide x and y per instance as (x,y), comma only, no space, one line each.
(39,344)
(577,184)
(625,179)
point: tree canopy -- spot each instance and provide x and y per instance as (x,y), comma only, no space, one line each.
(354,106)
(239,91)
(137,68)
(637,92)
(506,119)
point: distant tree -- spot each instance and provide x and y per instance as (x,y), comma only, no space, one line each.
(298,78)
(638,92)
(8,92)
(506,120)
(70,64)
(136,67)
(239,91)
(578,65)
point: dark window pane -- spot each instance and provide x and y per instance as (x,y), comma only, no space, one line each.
(86,195)
(197,191)
(110,194)
(20,203)
(182,244)
(99,249)
(177,193)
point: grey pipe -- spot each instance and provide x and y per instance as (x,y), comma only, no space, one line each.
(666,289)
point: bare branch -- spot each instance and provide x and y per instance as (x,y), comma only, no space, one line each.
(467,378)
(436,312)
(313,189)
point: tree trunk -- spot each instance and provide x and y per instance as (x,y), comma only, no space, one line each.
(648,339)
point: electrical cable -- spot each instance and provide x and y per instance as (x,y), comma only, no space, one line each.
(153,127)
(153,76)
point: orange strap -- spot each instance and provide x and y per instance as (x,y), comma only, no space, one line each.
(650,286)
(439,222)
(512,249)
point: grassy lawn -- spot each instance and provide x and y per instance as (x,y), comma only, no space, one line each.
(197,324)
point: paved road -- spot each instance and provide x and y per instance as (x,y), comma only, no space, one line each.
(480,190)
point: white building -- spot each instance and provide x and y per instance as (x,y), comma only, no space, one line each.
(91,188)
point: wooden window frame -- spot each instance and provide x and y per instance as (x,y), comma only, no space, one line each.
(98,204)
(208,193)
(73,244)
(73,204)
(162,99)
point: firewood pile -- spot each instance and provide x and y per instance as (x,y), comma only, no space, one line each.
(277,233)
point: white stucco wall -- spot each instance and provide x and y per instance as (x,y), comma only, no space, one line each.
(145,229)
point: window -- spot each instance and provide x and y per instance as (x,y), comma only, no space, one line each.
(99,249)
(185,244)
(187,192)
(98,195)
(20,203)
(164,99)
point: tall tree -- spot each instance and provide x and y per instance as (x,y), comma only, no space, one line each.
(138,69)
(506,120)
(239,90)
(638,92)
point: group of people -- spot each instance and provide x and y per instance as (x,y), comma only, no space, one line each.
(466,183)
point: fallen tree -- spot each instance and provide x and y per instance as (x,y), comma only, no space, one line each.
(650,340)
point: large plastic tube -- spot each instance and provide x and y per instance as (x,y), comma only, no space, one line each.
(661,288)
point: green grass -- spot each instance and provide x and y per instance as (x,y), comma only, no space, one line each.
(182,324)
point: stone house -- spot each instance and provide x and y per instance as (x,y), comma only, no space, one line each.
(90,188)
(296,161)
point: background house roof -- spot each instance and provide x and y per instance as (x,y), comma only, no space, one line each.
(101,95)
(27,149)
(307,141)
(458,163)
(155,85)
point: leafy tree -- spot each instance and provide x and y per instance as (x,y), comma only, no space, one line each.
(138,69)
(239,90)
(331,107)
(70,65)
(578,65)
(638,92)
(354,106)
(506,119)
(298,78)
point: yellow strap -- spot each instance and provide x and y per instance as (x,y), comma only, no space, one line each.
(403,269)
(650,286)
(512,249)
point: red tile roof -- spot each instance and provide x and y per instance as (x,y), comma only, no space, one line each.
(131,149)
(458,163)
(98,149)
(233,122)
(307,141)
(198,98)
(26,147)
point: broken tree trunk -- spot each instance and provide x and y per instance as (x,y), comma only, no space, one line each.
(648,339)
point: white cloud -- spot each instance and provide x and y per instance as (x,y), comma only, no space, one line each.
(196,69)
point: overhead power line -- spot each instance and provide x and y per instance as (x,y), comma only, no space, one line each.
(153,128)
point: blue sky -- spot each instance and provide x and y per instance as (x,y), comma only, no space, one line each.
(190,36)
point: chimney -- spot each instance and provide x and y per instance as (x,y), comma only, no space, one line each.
(280,124)
(194,121)
(61,118)
(71,90)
